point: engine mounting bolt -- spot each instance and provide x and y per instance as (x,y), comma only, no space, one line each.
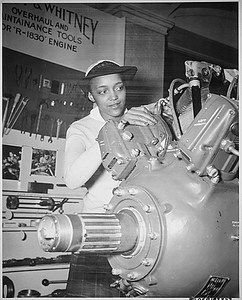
(153,235)
(190,167)
(160,150)
(116,271)
(127,136)
(146,262)
(133,191)
(134,152)
(107,206)
(215,180)
(118,192)
(211,171)
(147,208)
(132,275)
(178,154)
(154,141)
(120,161)
(152,158)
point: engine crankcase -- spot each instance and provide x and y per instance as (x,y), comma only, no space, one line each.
(172,226)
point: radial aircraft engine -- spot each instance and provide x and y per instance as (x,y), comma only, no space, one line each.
(171,228)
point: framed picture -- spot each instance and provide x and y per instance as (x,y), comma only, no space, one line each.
(43,162)
(11,162)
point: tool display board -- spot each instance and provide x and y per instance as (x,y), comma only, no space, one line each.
(56,95)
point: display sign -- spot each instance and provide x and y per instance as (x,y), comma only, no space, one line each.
(73,34)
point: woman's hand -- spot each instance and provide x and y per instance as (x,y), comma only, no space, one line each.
(141,116)
(155,108)
(161,107)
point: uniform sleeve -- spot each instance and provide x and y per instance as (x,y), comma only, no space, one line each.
(80,163)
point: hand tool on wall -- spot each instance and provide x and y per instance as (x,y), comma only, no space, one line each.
(18,74)
(9,226)
(65,126)
(14,202)
(24,122)
(60,204)
(42,102)
(16,114)
(47,282)
(15,102)
(59,122)
(46,123)
(5,113)
(34,82)
(23,215)
(36,203)
(40,82)
(50,140)
(28,261)
(32,122)
(28,73)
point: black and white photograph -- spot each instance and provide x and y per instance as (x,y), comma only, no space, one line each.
(11,162)
(120,131)
(43,162)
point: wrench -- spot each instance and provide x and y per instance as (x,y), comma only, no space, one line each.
(46,122)
(32,122)
(59,122)
(42,102)
(24,122)
(50,140)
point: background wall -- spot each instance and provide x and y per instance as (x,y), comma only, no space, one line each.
(161,36)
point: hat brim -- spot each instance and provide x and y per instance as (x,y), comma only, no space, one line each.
(128,72)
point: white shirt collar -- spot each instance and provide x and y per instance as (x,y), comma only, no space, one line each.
(95,114)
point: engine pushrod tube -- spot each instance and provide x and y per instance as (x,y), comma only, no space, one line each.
(98,233)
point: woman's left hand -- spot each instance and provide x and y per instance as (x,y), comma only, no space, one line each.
(155,108)
(141,116)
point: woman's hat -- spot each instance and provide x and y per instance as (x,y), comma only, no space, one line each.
(107,67)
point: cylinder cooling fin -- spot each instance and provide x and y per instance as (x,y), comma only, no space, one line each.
(209,137)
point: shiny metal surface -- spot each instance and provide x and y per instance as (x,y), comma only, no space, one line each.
(175,216)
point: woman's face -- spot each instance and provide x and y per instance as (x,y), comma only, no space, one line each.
(109,93)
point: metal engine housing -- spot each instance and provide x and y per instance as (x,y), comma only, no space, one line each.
(171,228)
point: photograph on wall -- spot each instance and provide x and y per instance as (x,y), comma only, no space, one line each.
(11,162)
(43,162)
